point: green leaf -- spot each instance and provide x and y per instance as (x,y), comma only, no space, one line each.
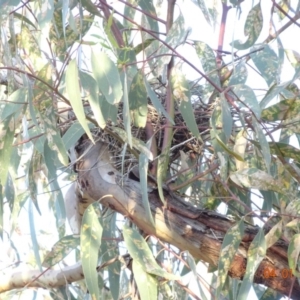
(218,135)
(140,252)
(282,149)
(89,86)
(256,253)
(294,58)
(73,91)
(136,143)
(7,130)
(240,74)
(1,211)
(50,159)
(90,241)
(257,179)
(266,61)
(208,61)
(293,254)
(288,109)
(147,5)
(274,234)
(227,120)
(16,102)
(72,135)
(32,228)
(265,149)
(109,251)
(273,91)
(107,76)
(138,100)
(143,172)
(60,250)
(175,37)
(181,92)
(162,168)
(230,245)
(252,28)
(142,46)
(201,4)
(156,102)
(247,99)
(147,284)
(285,6)
(191,262)
(126,113)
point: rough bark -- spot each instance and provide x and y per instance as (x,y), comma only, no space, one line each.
(199,231)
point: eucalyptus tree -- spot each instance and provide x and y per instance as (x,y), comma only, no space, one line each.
(125,134)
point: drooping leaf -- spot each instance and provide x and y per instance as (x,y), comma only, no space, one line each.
(156,102)
(50,158)
(138,100)
(73,91)
(288,109)
(266,61)
(293,254)
(240,148)
(72,135)
(32,228)
(7,130)
(285,6)
(191,262)
(256,253)
(109,251)
(218,135)
(60,250)
(229,247)
(257,179)
(247,99)
(126,112)
(147,283)
(201,4)
(107,76)
(274,234)
(60,42)
(208,61)
(90,241)
(252,28)
(273,91)
(143,172)
(89,85)
(294,58)
(265,149)
(16,102)
(136,143)
(140,252)
(175,37)
(148,6)
(240,74)
(181,92)
(227,120)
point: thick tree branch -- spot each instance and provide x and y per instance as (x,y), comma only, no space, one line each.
(201,232)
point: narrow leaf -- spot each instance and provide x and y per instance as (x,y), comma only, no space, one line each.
(107,76)
(60,250)
(140,252)
(256,253)
(252,28)
(90,241)
(229,247)
(73,91)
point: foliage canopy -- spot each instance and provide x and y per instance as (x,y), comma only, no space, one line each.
(190,127)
